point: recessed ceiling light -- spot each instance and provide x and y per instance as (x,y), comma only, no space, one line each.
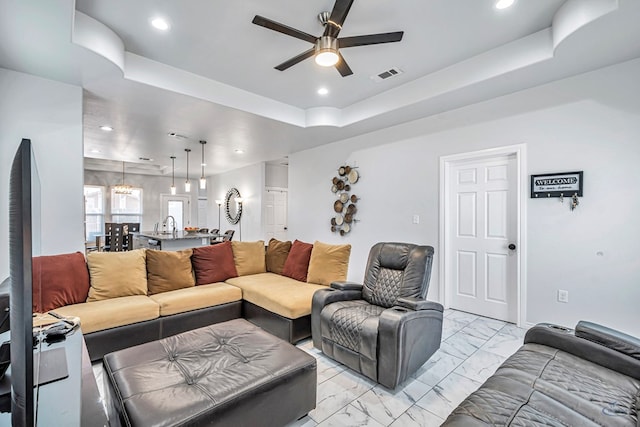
(503,4)
(323,91)
(96,151)
(106,128)
(160,24)
(239,151)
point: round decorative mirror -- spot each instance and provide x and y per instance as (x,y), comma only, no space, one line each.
(232,209)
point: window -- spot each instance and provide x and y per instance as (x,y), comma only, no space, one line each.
(93,211)
(126,207)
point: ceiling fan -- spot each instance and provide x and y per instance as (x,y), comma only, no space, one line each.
(326,47)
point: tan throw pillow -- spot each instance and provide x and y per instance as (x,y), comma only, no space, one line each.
(249,257)
(169,270)
(277,253)
(328,263)
(117,274)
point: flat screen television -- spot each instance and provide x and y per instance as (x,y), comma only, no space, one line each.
(24,244)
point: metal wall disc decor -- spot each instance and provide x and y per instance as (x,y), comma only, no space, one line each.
(232,209)
(344,205)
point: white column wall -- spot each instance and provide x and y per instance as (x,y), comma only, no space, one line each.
(50,114)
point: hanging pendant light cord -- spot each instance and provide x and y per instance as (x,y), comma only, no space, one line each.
(202,143)
(187,150)
(173,171)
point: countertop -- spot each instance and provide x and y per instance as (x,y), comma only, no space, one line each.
(178,235)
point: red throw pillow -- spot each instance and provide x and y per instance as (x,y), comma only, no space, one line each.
(213,263)
(59,280)
(297,262)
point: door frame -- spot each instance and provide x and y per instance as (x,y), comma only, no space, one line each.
(446,164)
(164,197)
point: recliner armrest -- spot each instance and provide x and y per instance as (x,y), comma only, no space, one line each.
(413,303)
(616,340)
(346,286)
(566,340)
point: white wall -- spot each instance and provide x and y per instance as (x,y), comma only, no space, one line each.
(250,182)
(276,176)
(50,114)
(590,123)
(152,187)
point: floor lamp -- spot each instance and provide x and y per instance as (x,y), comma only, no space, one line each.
(219,202)
(239,201)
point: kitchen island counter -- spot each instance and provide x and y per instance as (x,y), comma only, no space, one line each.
(170,241)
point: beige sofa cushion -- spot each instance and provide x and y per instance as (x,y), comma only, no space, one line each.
(117,274)
(188,299)
(110,313)
(249,257)
(169,270)
(328,263)
(278,294)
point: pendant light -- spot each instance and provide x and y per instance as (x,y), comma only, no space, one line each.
(173,175)
(187,183)
(123,188)
(203,180)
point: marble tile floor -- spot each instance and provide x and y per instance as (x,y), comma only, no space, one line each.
(471,350)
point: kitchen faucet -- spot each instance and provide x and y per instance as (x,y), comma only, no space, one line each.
(164,223)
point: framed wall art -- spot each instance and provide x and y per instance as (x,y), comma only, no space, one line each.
(562,184)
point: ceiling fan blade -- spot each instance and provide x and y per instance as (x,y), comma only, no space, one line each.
(370,39)
(338,15)
(284,29)
(342,67)
(293,61)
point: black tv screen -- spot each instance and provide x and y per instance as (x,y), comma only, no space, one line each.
(24,238)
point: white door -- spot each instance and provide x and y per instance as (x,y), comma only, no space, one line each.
(202,213)
(275,213)
(179,207)
(482,224)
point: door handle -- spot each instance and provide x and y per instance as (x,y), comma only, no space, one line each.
(512,246)
(285,228)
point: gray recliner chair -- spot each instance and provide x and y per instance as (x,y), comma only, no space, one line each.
(384,329)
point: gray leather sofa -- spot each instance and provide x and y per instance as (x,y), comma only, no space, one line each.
(589,376)
(384,329)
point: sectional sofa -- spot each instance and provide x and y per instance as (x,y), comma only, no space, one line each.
(129,298)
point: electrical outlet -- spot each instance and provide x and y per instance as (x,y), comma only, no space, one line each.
(563,296)
(416,219)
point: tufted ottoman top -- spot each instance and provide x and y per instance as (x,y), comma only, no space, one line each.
(196,376)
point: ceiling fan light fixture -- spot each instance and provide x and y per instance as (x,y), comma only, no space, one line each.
(327,51)
(503,4)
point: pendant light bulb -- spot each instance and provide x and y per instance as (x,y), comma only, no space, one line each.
(173,175)
(187,183)
(203,180)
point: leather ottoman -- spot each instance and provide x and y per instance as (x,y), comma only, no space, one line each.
(228,374)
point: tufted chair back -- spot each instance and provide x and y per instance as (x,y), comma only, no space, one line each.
(397,270)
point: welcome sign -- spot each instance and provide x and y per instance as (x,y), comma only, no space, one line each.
(564,184)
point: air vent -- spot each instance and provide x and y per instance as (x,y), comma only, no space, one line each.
(387,74)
